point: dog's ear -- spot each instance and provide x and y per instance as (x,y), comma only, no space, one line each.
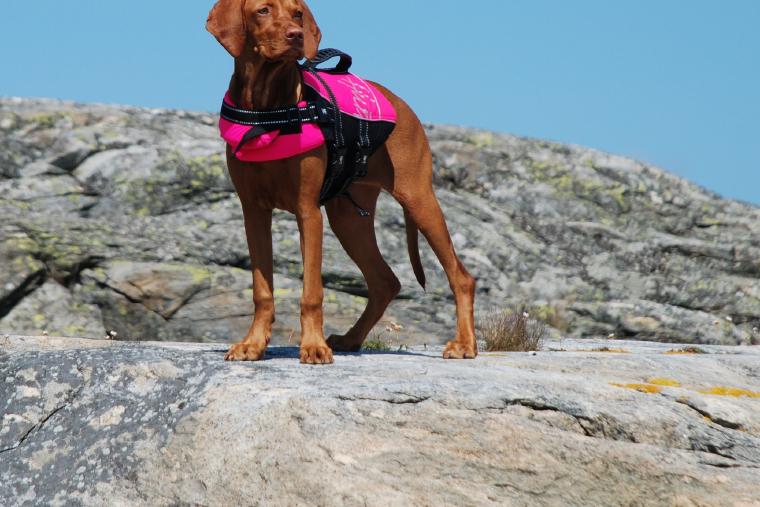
(312,33)
(225,22)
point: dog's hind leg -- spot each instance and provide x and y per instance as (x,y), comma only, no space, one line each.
(412,187)
(423,208)
(357,235)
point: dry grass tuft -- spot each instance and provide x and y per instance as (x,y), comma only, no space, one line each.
(504,331)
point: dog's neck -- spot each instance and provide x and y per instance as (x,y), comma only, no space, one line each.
(259,84)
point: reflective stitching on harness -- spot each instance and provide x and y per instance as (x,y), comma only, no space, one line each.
(255,123)
(339,123)
(248,111)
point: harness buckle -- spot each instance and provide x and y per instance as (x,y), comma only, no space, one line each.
(339,159)
(324,113)
(362,161)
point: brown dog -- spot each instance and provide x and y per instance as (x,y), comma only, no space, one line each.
(266,38)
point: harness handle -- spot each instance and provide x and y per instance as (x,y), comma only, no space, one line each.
(324,55)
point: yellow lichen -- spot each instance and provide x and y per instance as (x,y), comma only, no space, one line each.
(665,382)
(199,274)
(731,391)
(618,193)
(642,388)
(482,139)
(73,331)
(47,120)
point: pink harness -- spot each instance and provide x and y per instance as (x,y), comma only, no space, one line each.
(355,97)
(340,110)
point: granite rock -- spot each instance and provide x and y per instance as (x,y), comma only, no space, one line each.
(592,243)
(90,422)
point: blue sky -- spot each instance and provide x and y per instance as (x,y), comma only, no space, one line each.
(672,82)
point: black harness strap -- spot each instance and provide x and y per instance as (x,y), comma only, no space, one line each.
(276,117)
(338,169)
(287,120)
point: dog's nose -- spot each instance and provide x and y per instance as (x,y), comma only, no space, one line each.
(294,34)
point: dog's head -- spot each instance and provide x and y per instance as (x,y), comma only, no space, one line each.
(277,30)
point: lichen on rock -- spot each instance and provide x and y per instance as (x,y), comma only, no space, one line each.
(598,244)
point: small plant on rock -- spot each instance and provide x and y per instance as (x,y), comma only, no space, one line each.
(505,331)
(377,343)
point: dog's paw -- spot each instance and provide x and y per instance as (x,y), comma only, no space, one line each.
(343,343)
(316,354)
(246,352)
(458,350)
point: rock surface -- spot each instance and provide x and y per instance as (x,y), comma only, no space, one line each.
(90,422)
(123,219)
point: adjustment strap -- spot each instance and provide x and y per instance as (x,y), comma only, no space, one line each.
(361,211)
(248,137)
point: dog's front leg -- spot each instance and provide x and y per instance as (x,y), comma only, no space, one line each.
(314,348)
(258,231)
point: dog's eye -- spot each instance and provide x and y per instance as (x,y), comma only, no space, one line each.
(298,15)
(263,11)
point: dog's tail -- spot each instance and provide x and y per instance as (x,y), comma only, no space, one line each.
(412,244)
